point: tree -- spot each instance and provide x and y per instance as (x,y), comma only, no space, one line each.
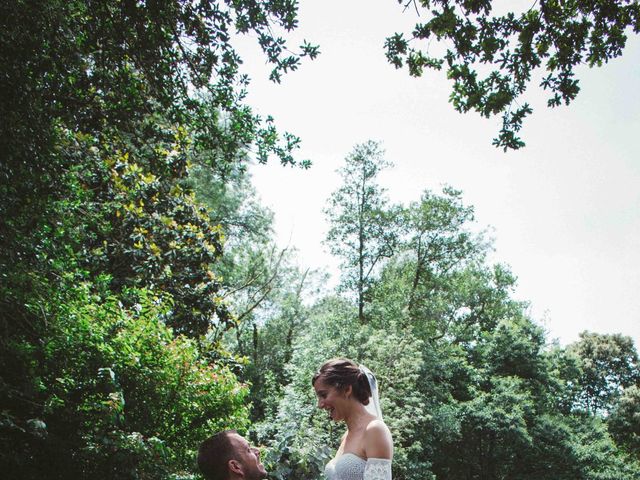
(251,265)
(124,78)
(436,251)
(438,239)
(106,106)
(232,203)
(116,61)
(624,421)
(110,392)
(118,69)
(609,364)
(268,340)
(363,230)
(491,57)
(502,419)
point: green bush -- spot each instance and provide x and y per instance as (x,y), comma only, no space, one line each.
(115,393)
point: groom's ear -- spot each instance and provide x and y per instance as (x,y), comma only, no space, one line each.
(235,467)
(348,391)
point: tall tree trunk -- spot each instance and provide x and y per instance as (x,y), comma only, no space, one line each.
(361,253)
(416,278)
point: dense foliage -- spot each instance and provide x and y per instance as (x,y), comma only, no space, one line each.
(111,294)
(110,392)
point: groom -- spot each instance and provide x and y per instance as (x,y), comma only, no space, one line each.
(228,456)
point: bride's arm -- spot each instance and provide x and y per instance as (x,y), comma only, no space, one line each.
(377,469)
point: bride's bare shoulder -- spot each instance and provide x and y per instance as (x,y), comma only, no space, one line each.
(378,441)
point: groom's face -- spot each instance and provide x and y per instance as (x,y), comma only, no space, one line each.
(247,459)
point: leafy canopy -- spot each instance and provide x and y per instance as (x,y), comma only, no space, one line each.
(492,57)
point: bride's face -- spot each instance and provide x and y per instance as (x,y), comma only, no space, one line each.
(332,400)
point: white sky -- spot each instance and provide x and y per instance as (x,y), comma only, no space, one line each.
(564,210)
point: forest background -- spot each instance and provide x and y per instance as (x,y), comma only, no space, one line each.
(145,304)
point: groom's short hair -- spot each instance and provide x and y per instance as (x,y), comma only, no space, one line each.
(214,455)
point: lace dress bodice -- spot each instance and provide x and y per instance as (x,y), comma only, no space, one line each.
(349,466)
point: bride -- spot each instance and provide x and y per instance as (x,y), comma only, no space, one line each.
(349,393)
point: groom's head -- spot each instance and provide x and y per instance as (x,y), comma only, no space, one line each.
(228,456)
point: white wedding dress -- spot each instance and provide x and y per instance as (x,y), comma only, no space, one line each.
(349,466)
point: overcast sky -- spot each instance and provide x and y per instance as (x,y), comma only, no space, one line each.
(564,211)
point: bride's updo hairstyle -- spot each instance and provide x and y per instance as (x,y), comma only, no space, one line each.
(341,373)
